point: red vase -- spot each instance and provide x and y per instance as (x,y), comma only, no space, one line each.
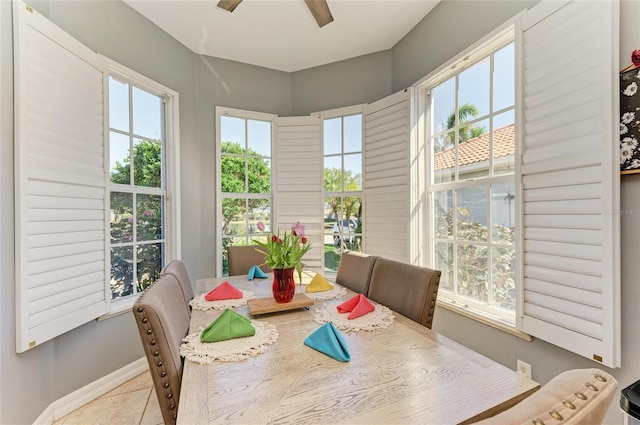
(284,287)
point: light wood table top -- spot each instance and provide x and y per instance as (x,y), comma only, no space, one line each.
(405,374)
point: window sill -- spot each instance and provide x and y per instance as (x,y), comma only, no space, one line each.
(484,318)
(119,307)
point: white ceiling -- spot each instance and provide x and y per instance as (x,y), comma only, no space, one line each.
(282,34)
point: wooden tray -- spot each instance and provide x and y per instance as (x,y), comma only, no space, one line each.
(269,305)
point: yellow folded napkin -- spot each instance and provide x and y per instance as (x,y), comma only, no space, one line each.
(319,284)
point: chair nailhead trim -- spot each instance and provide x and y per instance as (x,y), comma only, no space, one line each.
(537,421)
(555,415)
(144,325)
(591,387)
(580,395)
(568,404)
(600,378)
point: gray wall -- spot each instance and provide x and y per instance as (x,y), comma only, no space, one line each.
(447,30)
(363,79)
(32,380)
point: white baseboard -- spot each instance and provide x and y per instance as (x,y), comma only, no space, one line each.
(90,392)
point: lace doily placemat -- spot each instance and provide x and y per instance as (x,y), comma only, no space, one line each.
(380,318)
(336,292)
(231,350)
(200,303)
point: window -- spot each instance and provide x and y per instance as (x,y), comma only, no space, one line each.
(137,189)
(552,269)
(471,134)
(65,227)
(245,178)
(342,142)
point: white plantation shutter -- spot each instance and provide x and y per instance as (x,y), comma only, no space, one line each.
(299,181)
(386,179)
(569,178)
(59,181)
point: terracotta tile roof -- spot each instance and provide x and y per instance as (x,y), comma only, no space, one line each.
(477,149)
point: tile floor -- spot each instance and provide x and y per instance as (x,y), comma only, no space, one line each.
(132,403)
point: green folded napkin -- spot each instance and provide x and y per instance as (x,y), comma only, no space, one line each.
(228,325)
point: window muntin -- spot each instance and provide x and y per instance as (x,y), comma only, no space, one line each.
(245,180)
(137,189)
(342,146)
(472,208)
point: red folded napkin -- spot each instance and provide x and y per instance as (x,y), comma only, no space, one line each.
(224,291)
(357,305)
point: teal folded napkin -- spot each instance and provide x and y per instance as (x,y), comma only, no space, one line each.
(228,325)
(255,271)
(329,341)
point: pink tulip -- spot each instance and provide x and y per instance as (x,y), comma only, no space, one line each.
(260,226)
(298,228)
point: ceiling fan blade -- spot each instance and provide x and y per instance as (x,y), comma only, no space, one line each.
(229,5)
(320,11)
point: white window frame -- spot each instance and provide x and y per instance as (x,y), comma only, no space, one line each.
(247,115)
(341,113)
(497,39)
(170,172)
(576,309)
(61,175)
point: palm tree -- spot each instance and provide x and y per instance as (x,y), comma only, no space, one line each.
(465,113)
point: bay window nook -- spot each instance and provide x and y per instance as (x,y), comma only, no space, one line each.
(489,154)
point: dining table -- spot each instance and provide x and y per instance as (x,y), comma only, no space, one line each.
(403,373)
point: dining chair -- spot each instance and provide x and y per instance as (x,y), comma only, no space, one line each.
(242,258)
(163,321)
(407,289)
(576,396)
(354,271)
(177,269)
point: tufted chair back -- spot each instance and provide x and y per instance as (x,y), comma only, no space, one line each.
(574,397)
(354,271)
(242,258)
(407,289)
(177,269)
(163,320)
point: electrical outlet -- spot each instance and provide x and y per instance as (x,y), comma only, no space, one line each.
(523,368)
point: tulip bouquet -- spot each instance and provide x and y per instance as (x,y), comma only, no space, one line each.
(286,251)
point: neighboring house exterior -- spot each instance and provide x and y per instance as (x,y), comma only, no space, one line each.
(474,154)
